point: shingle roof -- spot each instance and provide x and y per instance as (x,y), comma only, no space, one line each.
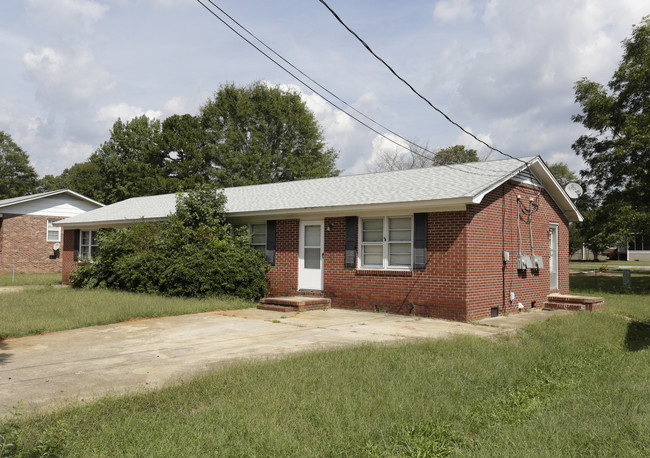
(463,183)
(41,195)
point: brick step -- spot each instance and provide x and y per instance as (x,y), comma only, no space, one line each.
(294,303)
(570,302)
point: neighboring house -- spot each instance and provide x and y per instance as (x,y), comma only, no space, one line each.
(441,241)
(637,247)
(28,236)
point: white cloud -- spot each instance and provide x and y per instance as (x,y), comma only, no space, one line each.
(453,10)
(79,15)
(125,112)
(175,105)
(75,152)
(484,153)
(66,75)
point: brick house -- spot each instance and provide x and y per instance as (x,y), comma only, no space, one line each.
(28,237)
(461,242)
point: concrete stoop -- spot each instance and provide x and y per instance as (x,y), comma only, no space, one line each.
(576,303)
(294,303)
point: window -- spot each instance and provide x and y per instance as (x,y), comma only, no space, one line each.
(53,233)
(87,245)
(386,243)
(258,236)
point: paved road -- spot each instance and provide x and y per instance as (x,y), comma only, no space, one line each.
(77,365)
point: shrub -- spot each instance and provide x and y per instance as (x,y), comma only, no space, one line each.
(195,253)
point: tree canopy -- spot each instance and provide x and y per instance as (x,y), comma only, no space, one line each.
(420,157)
(616,148)
(262,134)
(17,176)
(241,136)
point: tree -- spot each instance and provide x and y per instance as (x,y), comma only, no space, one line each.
(131,162)
(562,174)
(617,147)
(256,134)
(83,177)
(195,253)
(420,157)
(261,134)
(17,176)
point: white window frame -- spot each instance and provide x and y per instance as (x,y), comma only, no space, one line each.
(51,228)
(86,249)
(259,246)
(385,244)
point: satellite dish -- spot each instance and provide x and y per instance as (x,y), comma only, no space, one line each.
(56,246)
(574,190)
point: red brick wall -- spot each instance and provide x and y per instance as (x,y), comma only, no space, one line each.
(464,277)
(23,241)
(68,263)
(492,229)
(283,278)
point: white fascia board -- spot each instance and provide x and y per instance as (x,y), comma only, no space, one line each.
(95,225)
(478,198)
(557,192)
(82,197)
(51,194)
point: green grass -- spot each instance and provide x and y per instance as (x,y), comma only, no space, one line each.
(574,385)
(57,309)
(633,302)
(20,279)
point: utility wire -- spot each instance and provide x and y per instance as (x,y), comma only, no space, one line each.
(317,83)
(320,95)
(492,148)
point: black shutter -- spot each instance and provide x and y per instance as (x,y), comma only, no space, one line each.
(75,251)
(350,241)
(270,242)
(420,221)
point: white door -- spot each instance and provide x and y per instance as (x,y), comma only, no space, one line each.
(310,260)
(552,254)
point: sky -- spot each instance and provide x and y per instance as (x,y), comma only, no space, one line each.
(502,69)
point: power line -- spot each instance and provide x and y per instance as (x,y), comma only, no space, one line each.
(318,93)
(316,82)
(412,88)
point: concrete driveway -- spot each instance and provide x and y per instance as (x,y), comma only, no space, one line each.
(47,370)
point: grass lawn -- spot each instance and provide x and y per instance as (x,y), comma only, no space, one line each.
(633,302)
(20,279)
(56,309)
(574,385)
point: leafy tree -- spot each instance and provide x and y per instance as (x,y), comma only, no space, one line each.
(617,146)
(419,157)
(457,154)
(83,177)
(193,254)
(261,134)
(17,176)
(183,144)
(562,174)
(250,135)
(129,164)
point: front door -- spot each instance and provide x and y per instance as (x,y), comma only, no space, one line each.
(310,260)
(552,255)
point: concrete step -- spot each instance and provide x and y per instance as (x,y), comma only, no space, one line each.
(571,302)
(294,303)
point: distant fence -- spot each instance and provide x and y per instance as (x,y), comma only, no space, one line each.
(27,267)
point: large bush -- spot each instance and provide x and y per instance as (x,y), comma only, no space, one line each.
(195,253)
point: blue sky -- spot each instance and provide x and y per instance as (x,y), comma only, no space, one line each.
(503,69)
